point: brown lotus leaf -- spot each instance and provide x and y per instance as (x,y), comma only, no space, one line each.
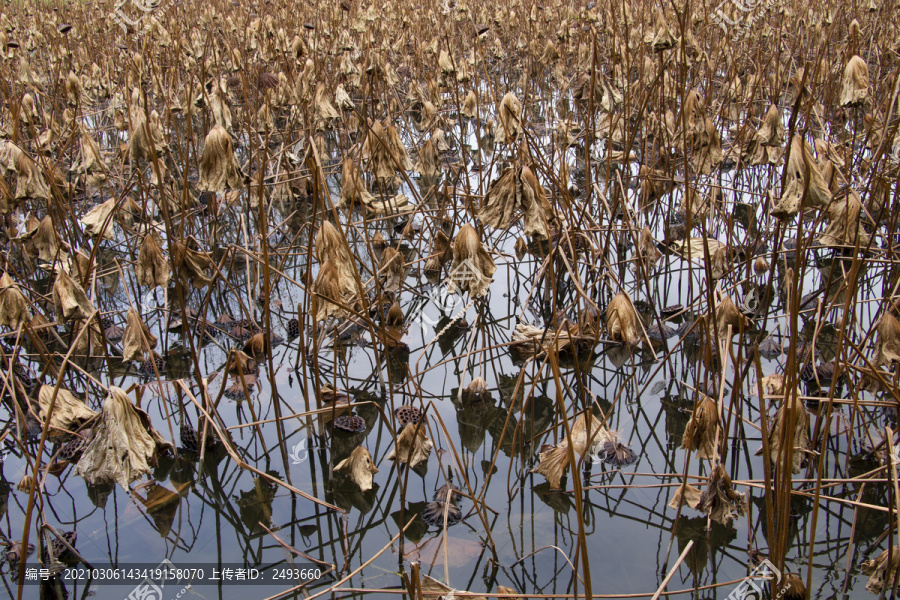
(662,39)
(124,443)
(99,220)
(622,320)
(701,432)
(45,240)
(395,315)
(137,342)
(719,499)
(880,570)
(69,413)
(152,268)
(521,248)
(427,164)
(412,446)
(845,223)
(888,346)
(706,148)
(390,270)
(142,145)
(69,299)
(766,145)
(30,181)
(470,105)
(473,268)
(441,252)
(329,290)
(647,249)
(325,112)
(773,385)
(353,188)
(359,467)
(855,83)
(804,179)
(384,152)
(390,206)
(509,116)
(219,169)
(13,303)
(91,162)
(588,435)
(514,191)
(719,266)
(728,314)
(685,494)
(191,264)
(530,340)
(778,431)
(693,249)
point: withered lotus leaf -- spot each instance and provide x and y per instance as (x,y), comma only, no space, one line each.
(701,432)
(69,412)
(152,268)
(517,190)
(137,342)
(359,467)
(99,220)
(69,298)
(855,83)
(219,169)
(412,446)
(622,320)
(881,570)
(124,443)
(473,268)
(13,303)
(778,431)
(719,499)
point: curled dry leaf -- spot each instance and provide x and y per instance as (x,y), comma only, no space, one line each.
(532,341)
(359,468)
(353,188)
(510,117)
(888,347)
(702,430)
(766,145)
(69,298)
(518,190)
(69,413)
(137,341)
(427,164)
(779,431)
(124,443)
(804,180)
(99,220)
(685,494)
(219,169)
(622,319)
(152,268)
(30,181)
(727,314)
(440,253)
(13,304)
(845,223)
(649,253)
(588,436)
(473,268)
(191,264)
(881,570)
(412,446)
(719,499)
(855,83)
(390,271)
